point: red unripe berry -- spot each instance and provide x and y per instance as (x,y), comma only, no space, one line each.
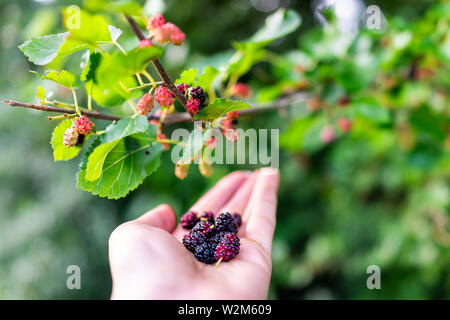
(232,115)
(241,90)
(327,134)
(157,20)
(163,96)
(162,136)
(211,143)
(83,125)
(344,124)
(145,104)
(182,88)
(343,101)
(177,37)
(162,34)
(145,43)
(193,106)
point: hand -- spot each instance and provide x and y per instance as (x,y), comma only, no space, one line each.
(148,260)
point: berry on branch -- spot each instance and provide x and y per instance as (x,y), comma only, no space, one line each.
(193,106)
(241,91)
(197,93)
(83,125)
(156,20)
(344,124)
(182,88)
(177,37)
(70,137)
(162,136)
(181,169)
(145,43)
(163,96)
(327,134)
(145,104)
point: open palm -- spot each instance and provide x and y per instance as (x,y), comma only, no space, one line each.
(148,260)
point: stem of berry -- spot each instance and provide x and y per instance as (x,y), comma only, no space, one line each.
(150,78)
(131,103)
(159,68)
(75,101)
(218,262)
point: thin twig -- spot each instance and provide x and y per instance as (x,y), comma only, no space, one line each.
(158,66)
(281,103)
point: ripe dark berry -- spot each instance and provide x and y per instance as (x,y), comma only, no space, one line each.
(225,222)
(228,247)
(189,220)
(205,253)
(205,227)
(198,93)
(207,216)
(237,218)
(193,239)
(216,238)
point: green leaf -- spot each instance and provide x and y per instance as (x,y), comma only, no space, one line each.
(245,60)
(122,6)
(40,94)
(84,27)
(60,151)
(187,77)
(125,127)
(220,107)
(115,33)
(124,168)
(205,80)
(90,69)
(120,66)
(371,111)
(63,77)
(277,25)
(303,135)
(42,50)
(96,160)
(194,144)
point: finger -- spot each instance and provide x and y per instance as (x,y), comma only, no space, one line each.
(215,198)
(162,217)
(263,204)
(240,200)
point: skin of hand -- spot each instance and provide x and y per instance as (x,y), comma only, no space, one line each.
(149,261)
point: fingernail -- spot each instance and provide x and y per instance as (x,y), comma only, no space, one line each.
(269,171)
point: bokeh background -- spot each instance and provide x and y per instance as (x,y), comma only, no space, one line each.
(377,196)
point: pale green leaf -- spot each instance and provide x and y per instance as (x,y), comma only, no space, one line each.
(187,77)
(220,107)
(42,50)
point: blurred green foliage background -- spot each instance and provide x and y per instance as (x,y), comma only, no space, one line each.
(378,195)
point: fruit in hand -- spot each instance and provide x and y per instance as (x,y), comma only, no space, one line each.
(212,241)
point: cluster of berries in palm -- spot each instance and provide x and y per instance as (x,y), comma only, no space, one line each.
(212,241)
(74,135)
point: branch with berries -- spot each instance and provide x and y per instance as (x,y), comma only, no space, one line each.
(120,156)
